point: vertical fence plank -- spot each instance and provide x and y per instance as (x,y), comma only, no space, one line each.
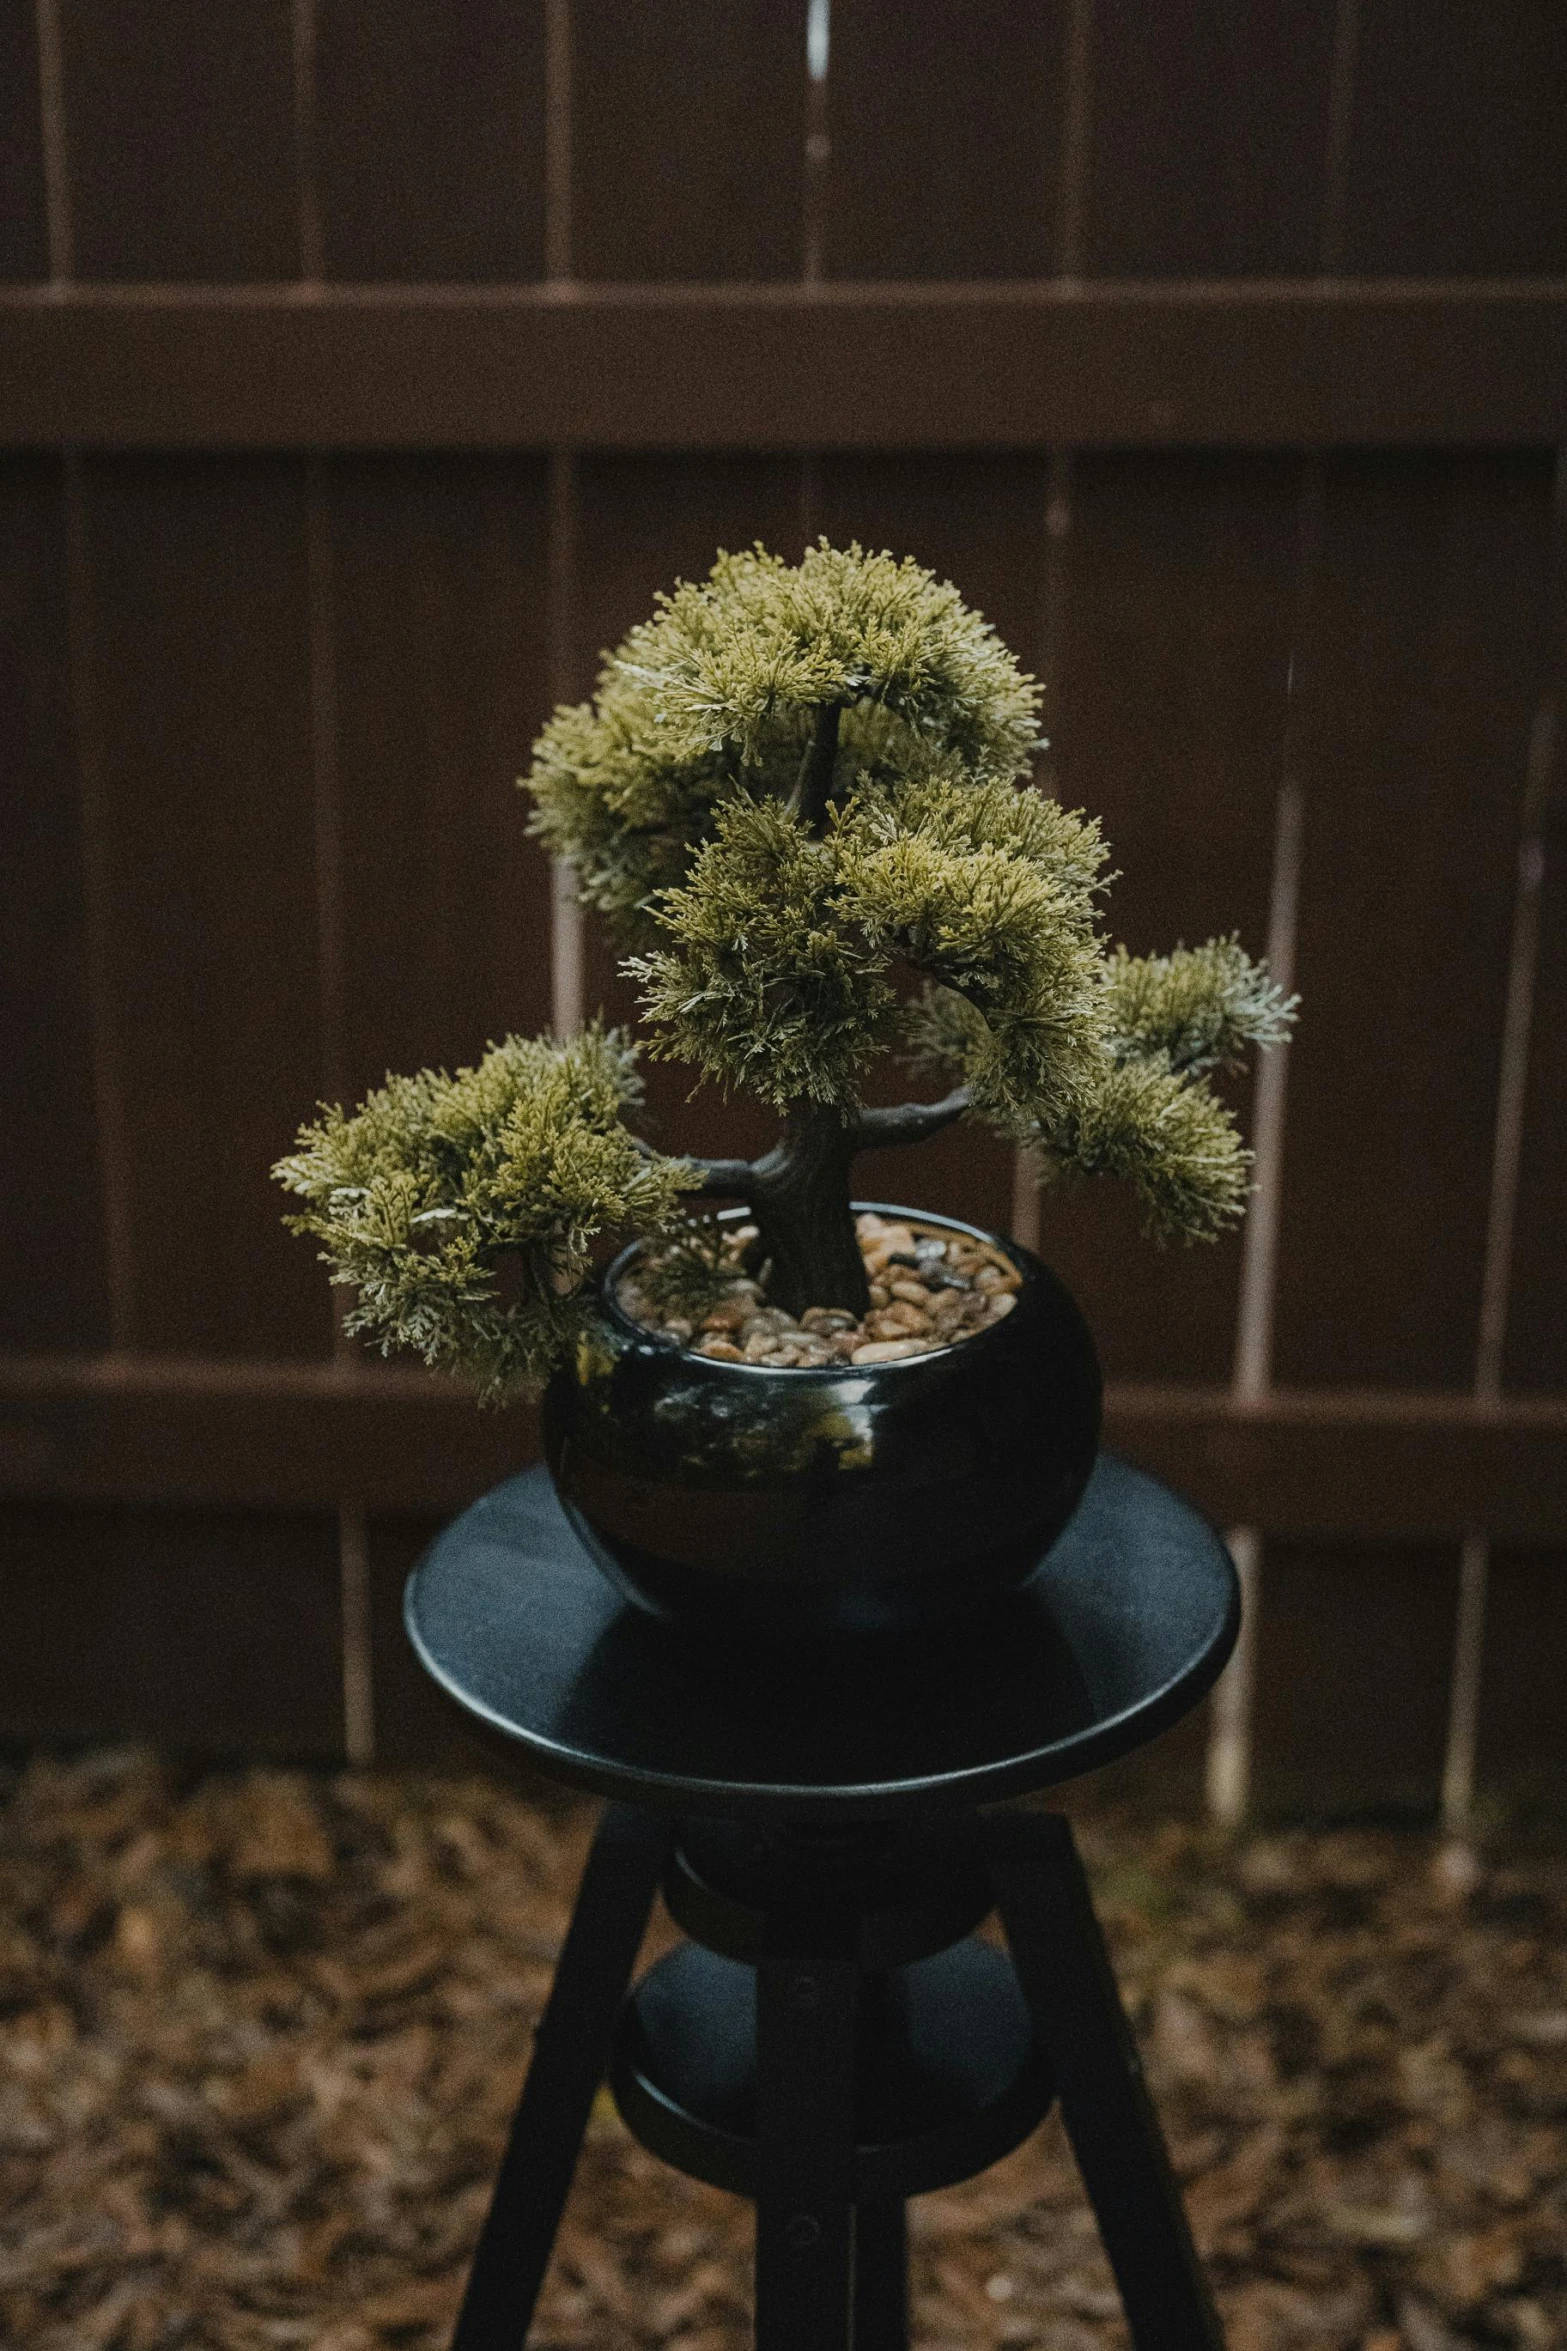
(1522,1743)
(1536,1353)
(978,521)
(24,240)
(200,659)
(1209,128)
(1455,163)
(210,1630)
(1169,727)
(1352,1685)
(438,591)
(431,138)
(946,123)
(644,523)
(1420,676)
(180,131)
(688,139)
(53,1278)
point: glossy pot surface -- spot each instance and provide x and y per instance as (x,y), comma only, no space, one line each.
(796,1503)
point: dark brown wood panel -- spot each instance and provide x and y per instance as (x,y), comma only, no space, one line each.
(1210,126)
(217,1631)
(52,1271)
(946,129)
(1354,1652)
(1536,1350)
(747,368)
(644,523)
(438,571)
(1419,672)
(1460,126)
(1169,727)
(1522,1756)
(180,132)
(201,661)
(1323,1463)
(430,138)
(24,242)
(980,522)
(688,139)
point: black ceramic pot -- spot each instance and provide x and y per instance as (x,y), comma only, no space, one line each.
(799,1503)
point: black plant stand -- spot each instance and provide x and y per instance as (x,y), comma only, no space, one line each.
(833,2039)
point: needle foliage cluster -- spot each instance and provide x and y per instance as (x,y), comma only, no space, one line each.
(462,1208)
(801,794)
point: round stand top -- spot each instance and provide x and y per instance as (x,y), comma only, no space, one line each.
(1123,1626)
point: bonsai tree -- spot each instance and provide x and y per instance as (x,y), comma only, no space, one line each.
(800,795)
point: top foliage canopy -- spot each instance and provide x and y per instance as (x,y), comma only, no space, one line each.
(797,783)
(799,795)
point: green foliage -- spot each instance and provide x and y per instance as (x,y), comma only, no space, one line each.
(767,982)
(796,791)
(462,1208)
(1144,1112)
(779,970)
(775,920)
(1201,1007)
(716,697)
(692,1268)
(1168,1135)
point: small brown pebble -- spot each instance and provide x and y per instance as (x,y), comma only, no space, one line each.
(826,1318)
(926,1290)
(727,1315)
(764,1319)
(888,1350)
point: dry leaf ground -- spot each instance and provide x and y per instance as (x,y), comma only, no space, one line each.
(260,2035)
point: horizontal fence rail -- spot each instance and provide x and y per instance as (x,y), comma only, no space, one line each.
(850,366)
(1358,1464)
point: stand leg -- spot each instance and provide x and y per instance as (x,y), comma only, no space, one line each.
(1066,1976)
(881,2277)
(805,2133)
(570,2053)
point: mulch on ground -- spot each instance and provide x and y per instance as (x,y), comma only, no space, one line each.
(260,2036)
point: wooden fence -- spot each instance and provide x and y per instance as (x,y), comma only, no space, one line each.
(364,367)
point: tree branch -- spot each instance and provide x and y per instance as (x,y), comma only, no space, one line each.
(908,1122)
(814,788)
(724,1179)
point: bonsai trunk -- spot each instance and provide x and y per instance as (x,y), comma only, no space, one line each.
(799,1195)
